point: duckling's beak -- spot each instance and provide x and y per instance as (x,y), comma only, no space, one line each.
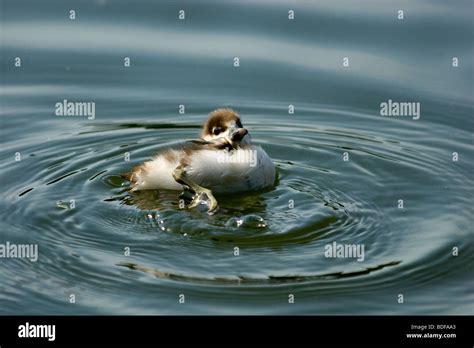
(239,134)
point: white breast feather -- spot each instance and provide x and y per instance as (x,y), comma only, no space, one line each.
(218,172)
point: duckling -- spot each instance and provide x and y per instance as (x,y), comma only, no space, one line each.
(223,160)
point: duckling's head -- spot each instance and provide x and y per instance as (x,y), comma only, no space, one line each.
(225,123)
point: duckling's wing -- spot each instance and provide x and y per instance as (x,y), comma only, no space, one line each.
(191,145)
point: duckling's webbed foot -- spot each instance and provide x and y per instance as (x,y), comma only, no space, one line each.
(180,175)
(203,195)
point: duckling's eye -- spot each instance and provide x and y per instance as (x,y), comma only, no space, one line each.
(216,130)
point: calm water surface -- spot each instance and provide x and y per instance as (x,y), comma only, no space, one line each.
(408,251)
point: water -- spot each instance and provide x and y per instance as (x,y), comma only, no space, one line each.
(408,251)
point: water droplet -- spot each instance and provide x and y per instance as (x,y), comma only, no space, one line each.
(247,221)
